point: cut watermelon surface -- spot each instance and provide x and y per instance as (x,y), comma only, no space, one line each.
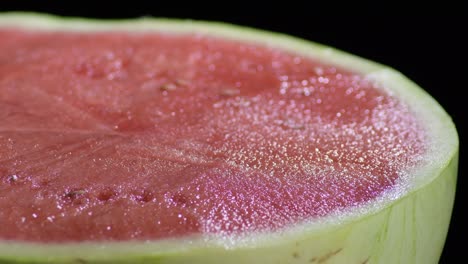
(151,132)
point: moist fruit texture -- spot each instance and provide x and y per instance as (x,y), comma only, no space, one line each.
(118,136)
(163,141)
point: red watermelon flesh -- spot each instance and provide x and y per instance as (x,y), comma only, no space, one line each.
(119,136)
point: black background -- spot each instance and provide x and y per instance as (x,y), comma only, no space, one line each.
(425,42)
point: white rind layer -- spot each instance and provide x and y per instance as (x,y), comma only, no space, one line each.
(404,226)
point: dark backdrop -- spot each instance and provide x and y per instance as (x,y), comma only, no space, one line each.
(425,42)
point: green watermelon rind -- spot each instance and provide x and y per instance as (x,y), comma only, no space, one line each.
(405,226)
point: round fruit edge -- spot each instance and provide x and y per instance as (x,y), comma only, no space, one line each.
(444,140)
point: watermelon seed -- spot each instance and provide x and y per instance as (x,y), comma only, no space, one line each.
(75,193)
(168,87)
(182,82)
(229,92)
(106,195)
(143,197)
(180,200)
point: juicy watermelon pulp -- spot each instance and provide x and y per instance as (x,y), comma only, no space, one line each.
(177,132)
(155,136)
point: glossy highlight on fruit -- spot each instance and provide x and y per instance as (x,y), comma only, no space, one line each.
(170,141)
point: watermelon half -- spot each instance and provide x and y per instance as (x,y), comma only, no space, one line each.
(175,141)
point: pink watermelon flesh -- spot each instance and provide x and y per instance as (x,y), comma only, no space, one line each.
(112,136)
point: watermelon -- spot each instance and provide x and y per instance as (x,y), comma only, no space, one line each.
(170,141)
